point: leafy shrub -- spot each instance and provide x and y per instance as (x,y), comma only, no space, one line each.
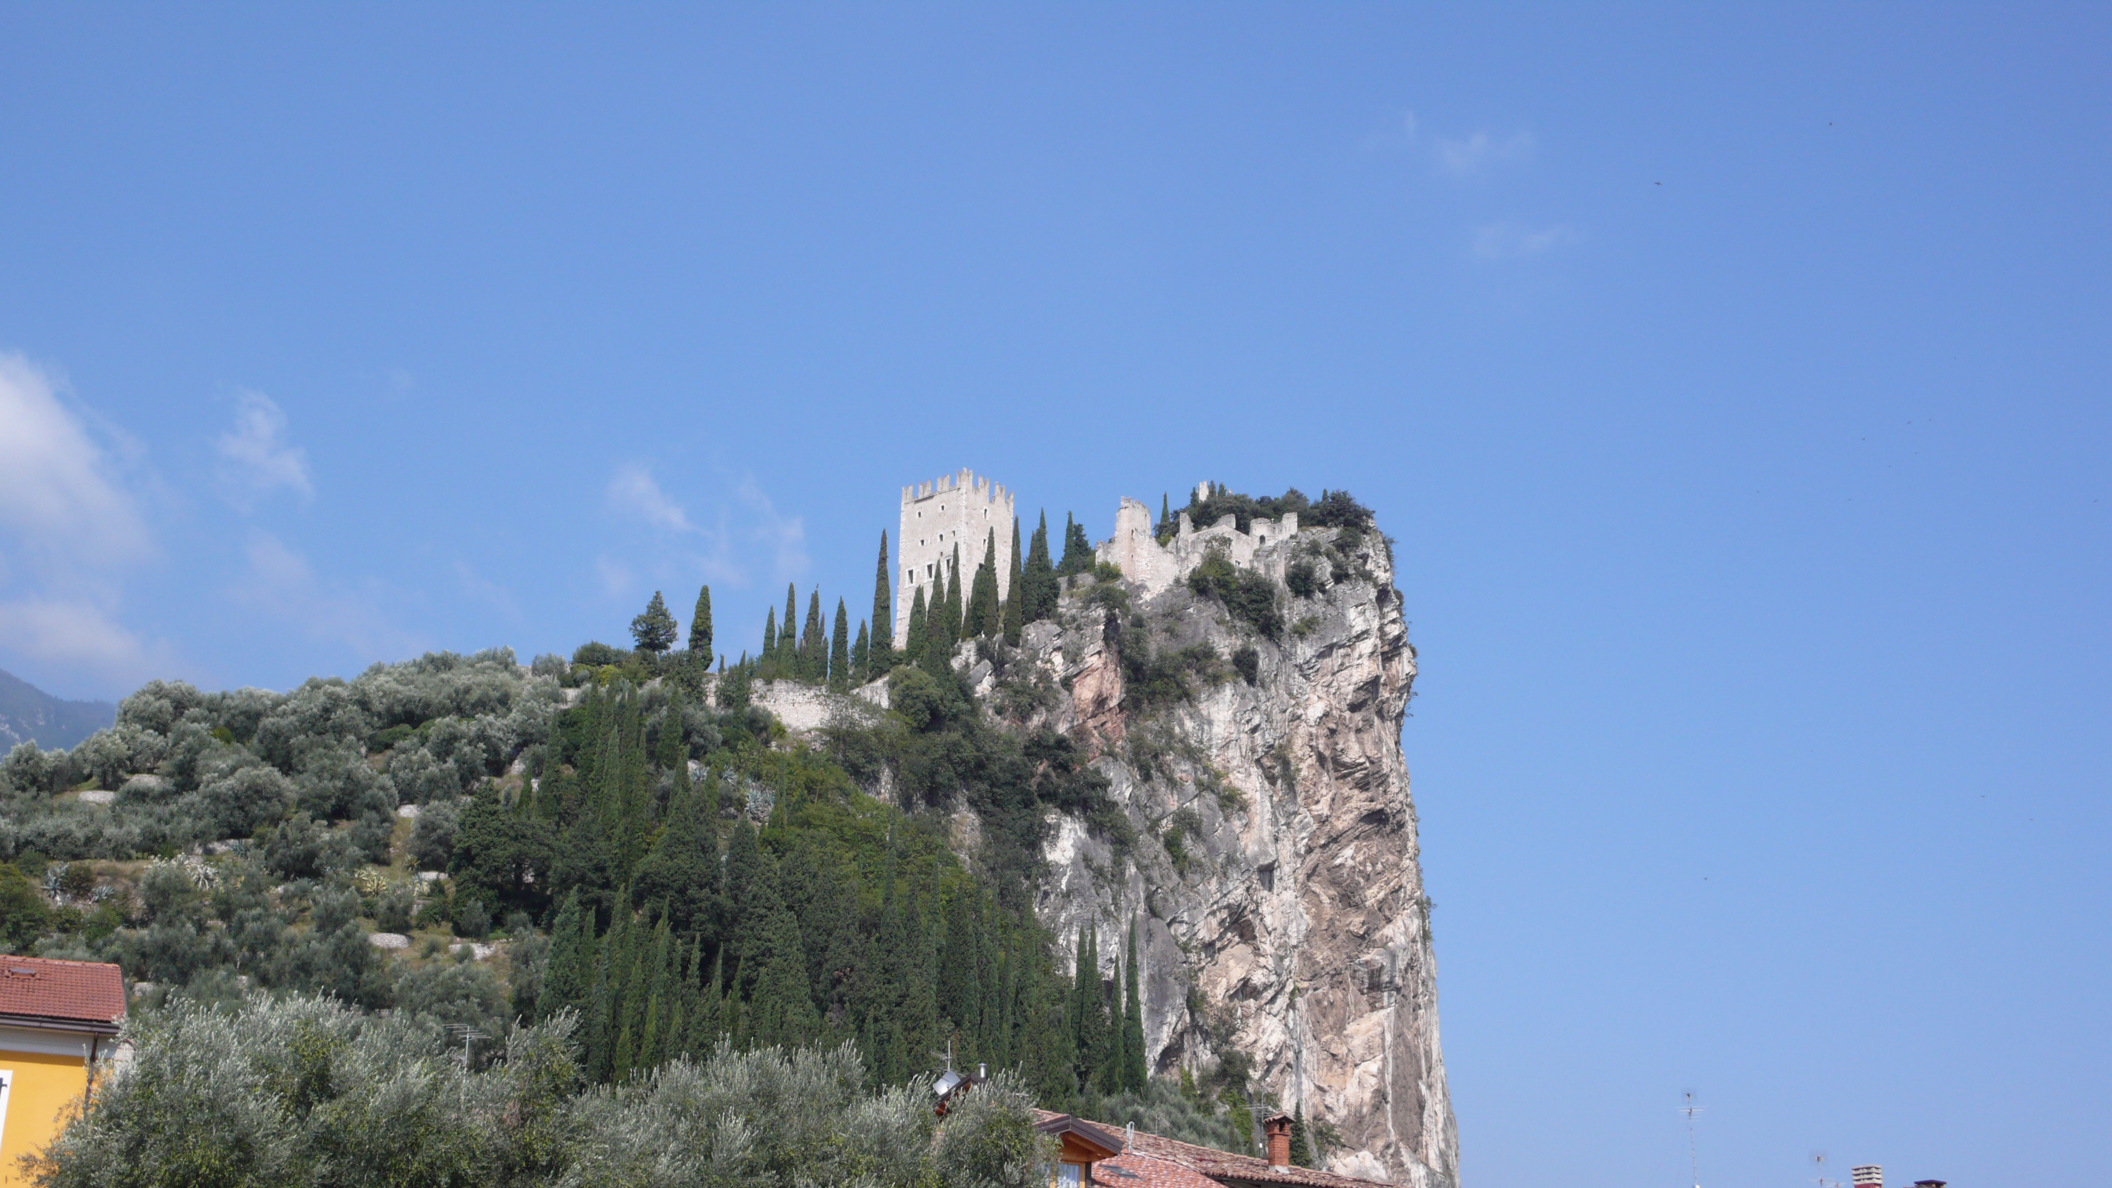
(1247,663)
(1302,578)
(433,837)
(1250,596)
(23,913)
(596,655)
(472,918)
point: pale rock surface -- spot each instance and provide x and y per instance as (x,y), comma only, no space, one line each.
(1300,915)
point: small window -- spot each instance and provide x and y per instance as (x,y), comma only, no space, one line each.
(1069,1175)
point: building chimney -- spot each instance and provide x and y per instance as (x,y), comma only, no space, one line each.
(1868,1175)
(1278,1128)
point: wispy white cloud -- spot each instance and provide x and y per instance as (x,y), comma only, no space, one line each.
(58,497)
(280,582)
(1480,152)
(1515,241)
(1397,133)
(69,532)
(785,536)
(255,457)
(632,490)
(483,589)
(80,636)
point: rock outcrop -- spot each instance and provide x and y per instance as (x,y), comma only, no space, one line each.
(1274,872)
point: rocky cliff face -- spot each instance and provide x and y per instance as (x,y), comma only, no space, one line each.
(1274,870)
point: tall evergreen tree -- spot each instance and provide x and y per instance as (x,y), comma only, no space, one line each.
(781,1006)
(565,977)
(1301,1144)
(982,617)
(918,633)
(942,625)
(882,658)
(1077,550)
(654,631)
(700,630)
(1165,517)
(1039,576)
(840,651)
(1134,1071)
(788,638)
(600,1006)
(956,597)
(861,657)
(770,634)
(814,642)
(1015,592)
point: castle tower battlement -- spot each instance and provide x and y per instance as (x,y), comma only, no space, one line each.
(955,509)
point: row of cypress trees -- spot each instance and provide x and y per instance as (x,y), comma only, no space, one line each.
(1108,1036)
(818,654)
(838,919)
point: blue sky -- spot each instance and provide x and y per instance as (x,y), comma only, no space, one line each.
(1734,384)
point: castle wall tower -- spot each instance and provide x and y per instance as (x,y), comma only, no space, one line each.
(956,509)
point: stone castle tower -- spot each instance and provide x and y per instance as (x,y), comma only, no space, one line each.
(956,509)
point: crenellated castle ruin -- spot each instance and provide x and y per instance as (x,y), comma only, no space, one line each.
(956,510)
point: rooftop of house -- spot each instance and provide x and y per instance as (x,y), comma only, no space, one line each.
(74,995)
(1153,1161)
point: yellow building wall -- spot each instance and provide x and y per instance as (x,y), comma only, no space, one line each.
(43,1092)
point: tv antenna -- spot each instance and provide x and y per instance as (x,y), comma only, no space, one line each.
(1818,1165)
(470,1036)
(1693,1151)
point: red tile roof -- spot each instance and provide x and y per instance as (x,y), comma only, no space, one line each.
(1153,1161)
(36,990)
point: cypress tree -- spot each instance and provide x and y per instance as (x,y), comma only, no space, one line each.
(940,627)
(814,642)
(565,977)
(982,596)
(1015,592)
(659,998)
(956,601)
(840,651)
(1134,1071)
(700,630)
(882,658)
(1039,576)
(960,989)
(1114,1076)
(1165,517)
(599,1008)
(781,1008)
(1077,550)
(787,638)
(861,657)
(913,645)
(1301,1146)
(770,634)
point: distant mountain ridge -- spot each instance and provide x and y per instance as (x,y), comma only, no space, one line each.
(29,714)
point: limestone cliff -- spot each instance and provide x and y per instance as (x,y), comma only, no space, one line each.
(1273,867)
(1275,863)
